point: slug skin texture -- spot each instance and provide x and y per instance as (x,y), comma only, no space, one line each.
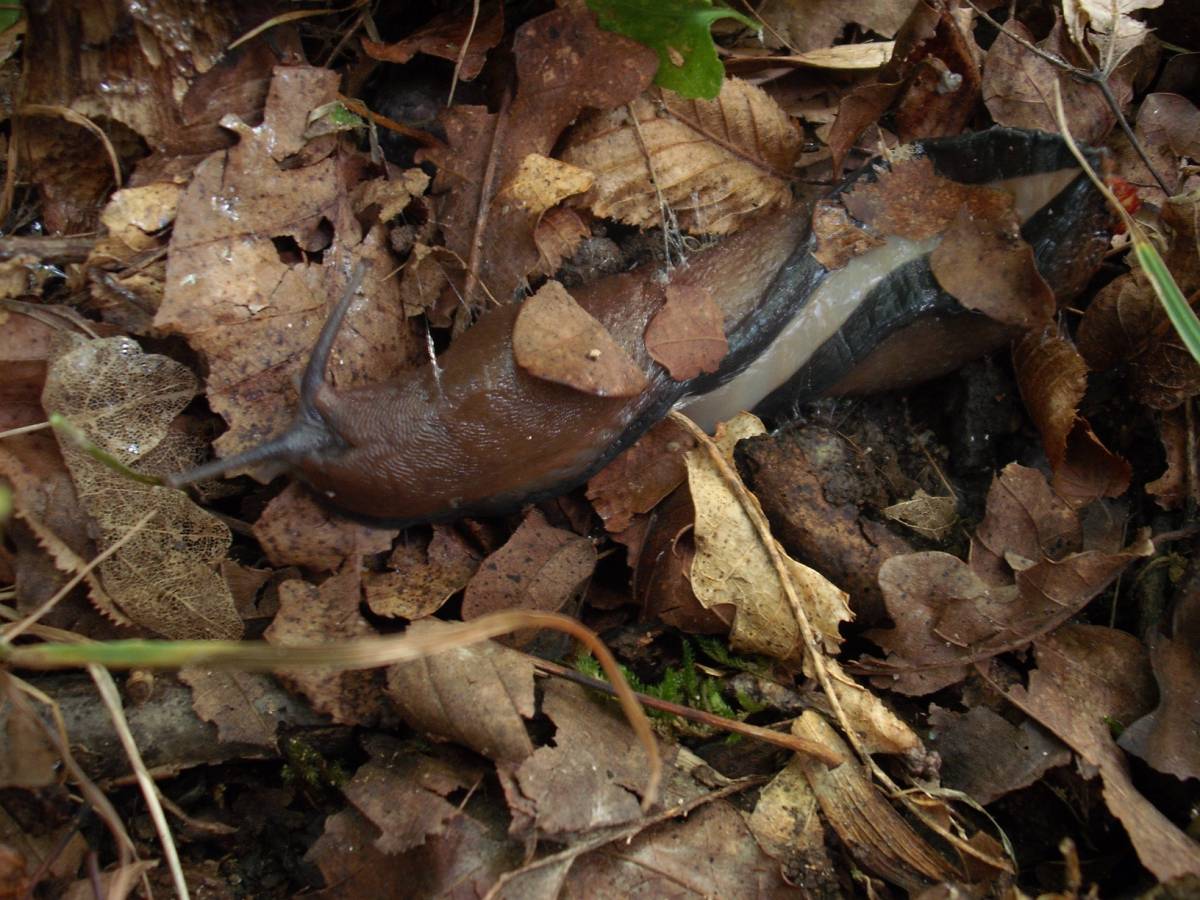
(481,437)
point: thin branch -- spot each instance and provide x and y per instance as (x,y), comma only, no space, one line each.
(1096,76)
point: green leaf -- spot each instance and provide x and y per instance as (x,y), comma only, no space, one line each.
(680,32)
(10,14)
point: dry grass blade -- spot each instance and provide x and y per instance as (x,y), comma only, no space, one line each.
(816,655)
(366,653)
(112,701)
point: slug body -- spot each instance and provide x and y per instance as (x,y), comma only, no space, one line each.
(480,436)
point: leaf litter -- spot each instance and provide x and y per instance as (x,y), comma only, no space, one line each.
(234,234)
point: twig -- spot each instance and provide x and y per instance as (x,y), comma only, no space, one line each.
(48,249)
(1096,76)
(792,742)
(462,52)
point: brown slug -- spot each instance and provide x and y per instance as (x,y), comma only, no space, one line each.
(478,436)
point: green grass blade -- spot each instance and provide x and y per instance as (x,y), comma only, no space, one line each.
(1182,316)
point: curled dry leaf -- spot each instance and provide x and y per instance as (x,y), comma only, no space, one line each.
(540,567)
(311,614)
(1087,677)
(1052,377)
(731,566)
(931,517)
(421,576)
(712,161)
(165,577)
(423,280)
(541,182)
(389,196)
(477,696)
(878,836)
(556,339)
(687,335)
(443,36)
(1107,25)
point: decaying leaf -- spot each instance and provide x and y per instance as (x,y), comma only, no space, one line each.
(732,567)
(540,182)
(947,616)
(233,701)
(787,824)
(590,777)
(1052,377)
(637,480)
(985,756)
(1107,25)
(421,576)
(929,516)
(403,792)
(839,239)
(687,335)
(477,696)
(243,285)
(311,614)
(124,401)
(813,24)
(1087,677)
(555,339)
(713,161)
(444,36)
(557,235)
(540,567)
(1168,127)
(296,530)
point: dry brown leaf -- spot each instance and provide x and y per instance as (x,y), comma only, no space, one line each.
(555,339)
(557,236)
(1126,323)
(687,335)
(1024,521)
(565,64)
(871,829)
(711,853)
(787,824)
(477,696)
(1013,292)
(986,757)
(403,793)
(25,345)
(732,567)
(443,36)
(1052,377)
(590,778)
(839,239)
(929,516)
(1018,87)
(947,617)
(311,614)
(1087,677)
(1168,127)
(296,530)
(813,24)
(713,161)
(1107,25)
(1166,736)
(390,196)
(540,567)
(421,576)
(29,759)
(241,287)
(233,701)
(165,578)
(642,476)
(540,182)
(424,278)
